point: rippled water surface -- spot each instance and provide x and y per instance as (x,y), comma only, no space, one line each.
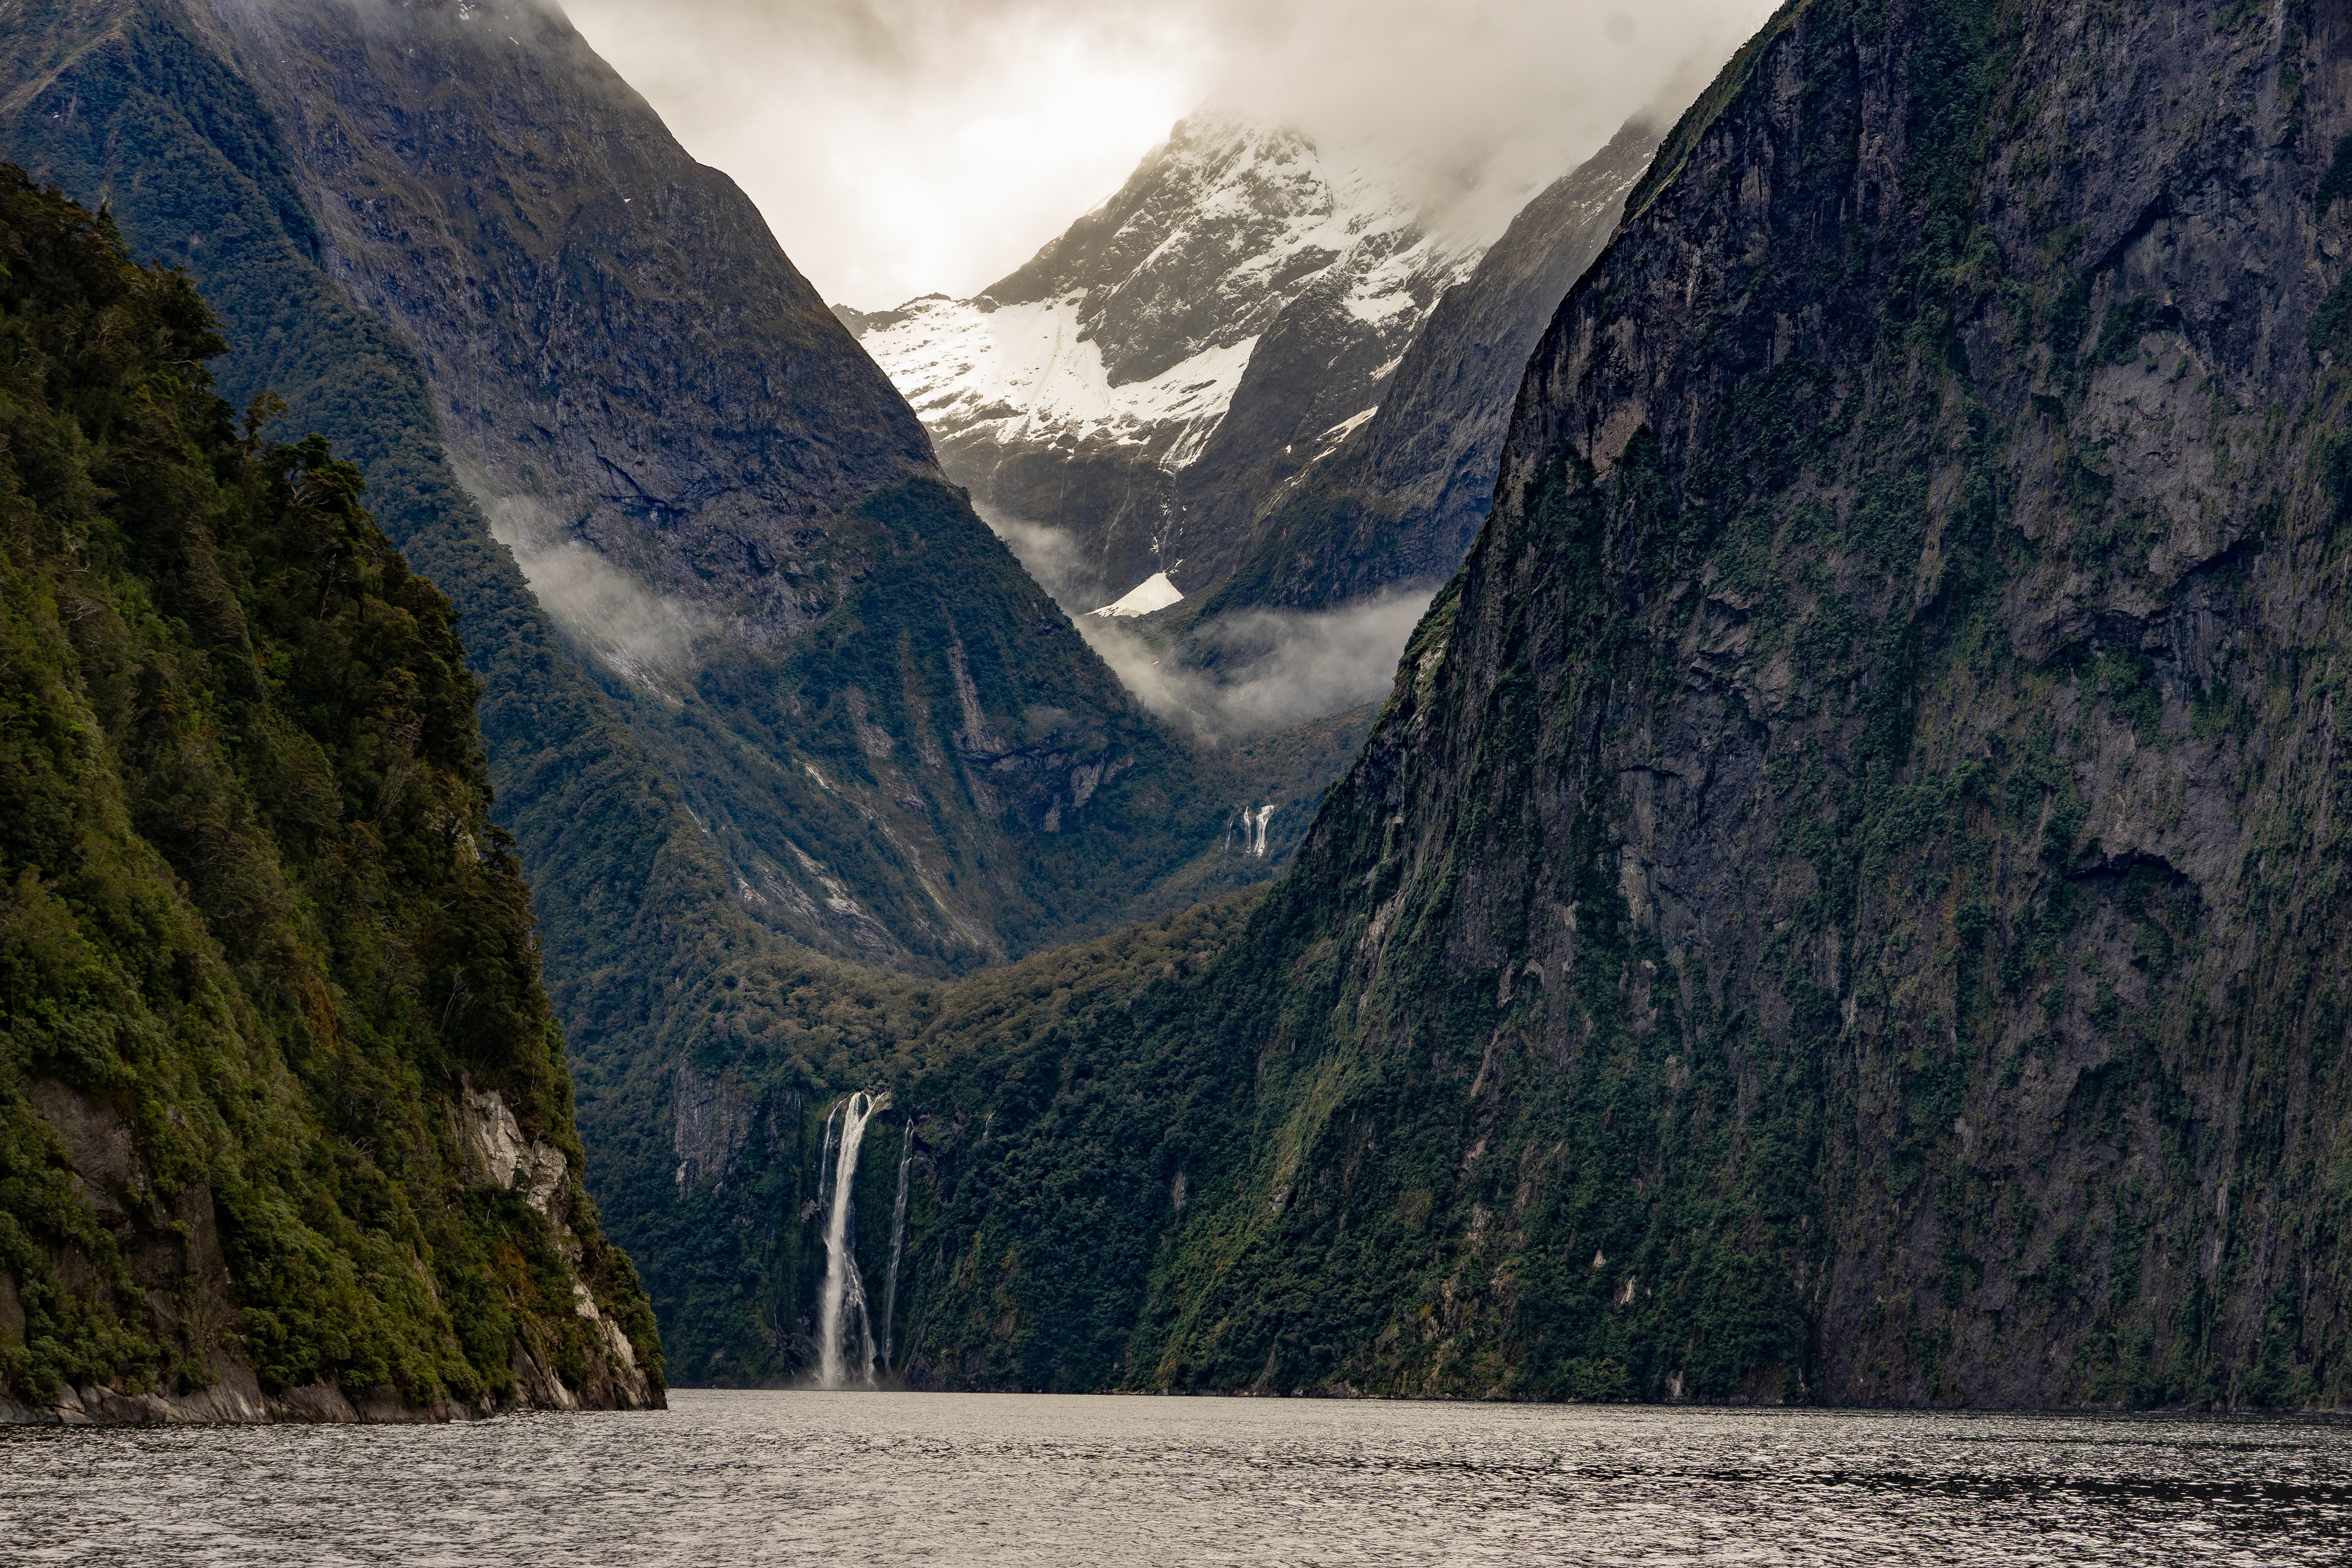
(945,1478)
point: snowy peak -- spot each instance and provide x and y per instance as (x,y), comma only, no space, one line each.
(1218,228)
(1133,330)
(1154,593)
(1026,374)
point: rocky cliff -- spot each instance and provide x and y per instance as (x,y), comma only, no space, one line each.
(1843,903)
(286,1129)
(1399,504)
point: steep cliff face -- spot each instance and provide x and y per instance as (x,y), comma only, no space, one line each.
(1883,751)
(1843,904)
(1402,502)
(1140,384)
(286,1129)
(628,368)
(897,746)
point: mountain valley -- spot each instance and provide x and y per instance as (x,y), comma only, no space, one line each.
(1259,374)
(1838,907)
(1832,899)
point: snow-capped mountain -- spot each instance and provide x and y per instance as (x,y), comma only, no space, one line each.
(1400,504)
(1230,315)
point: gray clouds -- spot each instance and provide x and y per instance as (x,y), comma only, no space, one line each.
(901,146)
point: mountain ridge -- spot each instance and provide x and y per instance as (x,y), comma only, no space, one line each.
(1244,292)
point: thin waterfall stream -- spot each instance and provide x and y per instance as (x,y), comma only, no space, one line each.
(844,1296)
(825,1156)
(898,1236)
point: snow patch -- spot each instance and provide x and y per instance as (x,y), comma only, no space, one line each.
(1154,593)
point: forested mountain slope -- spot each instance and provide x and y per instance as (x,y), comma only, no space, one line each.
(285,1124)
(1844,903)
(898,747)
(657,943)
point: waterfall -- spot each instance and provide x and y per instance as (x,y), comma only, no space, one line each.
(1265,816)
(845,1290)
(1251,824)
(897,1236)
(825,1156)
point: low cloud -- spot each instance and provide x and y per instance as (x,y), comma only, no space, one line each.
(1266,669)
(642,636)
(903,146)
(1273,667)
(1050,555)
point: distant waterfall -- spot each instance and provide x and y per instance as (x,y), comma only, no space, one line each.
(1251,825)
(844,1292)
(898,1236)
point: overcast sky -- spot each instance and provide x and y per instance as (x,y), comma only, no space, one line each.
(900,147)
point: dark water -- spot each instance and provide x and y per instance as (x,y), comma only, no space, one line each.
(903,1479)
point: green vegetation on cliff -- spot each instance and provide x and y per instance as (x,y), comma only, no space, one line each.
(270,1000)
(640,826)
(1845,901)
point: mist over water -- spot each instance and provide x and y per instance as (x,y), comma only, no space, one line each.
(977,1480)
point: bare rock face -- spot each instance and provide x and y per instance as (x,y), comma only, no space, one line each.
(712,1119)
(636,383)
(1401,501)
(1880,770)
(498,1155)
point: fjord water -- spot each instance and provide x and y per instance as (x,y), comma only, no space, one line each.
(789,1477)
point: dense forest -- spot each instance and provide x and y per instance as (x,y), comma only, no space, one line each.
(287,1119)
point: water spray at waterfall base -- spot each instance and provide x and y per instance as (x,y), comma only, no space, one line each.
(844,1296)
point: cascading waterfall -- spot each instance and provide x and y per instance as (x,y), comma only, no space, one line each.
(1251,824)
(1265,816)
(898,1236)
(825,1156)
(844,1296)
